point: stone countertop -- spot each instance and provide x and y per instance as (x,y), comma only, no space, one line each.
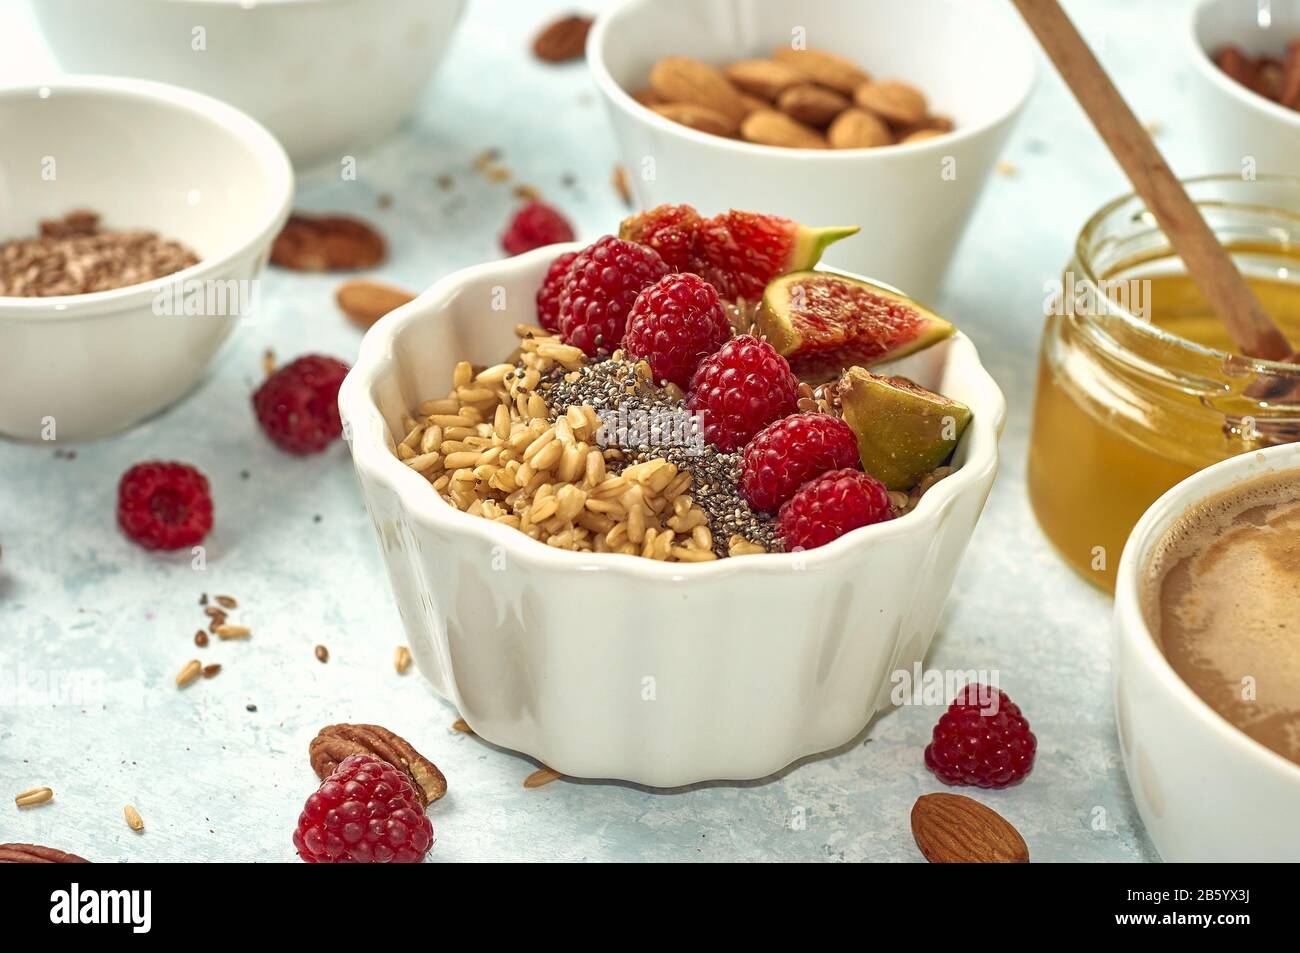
(93,629)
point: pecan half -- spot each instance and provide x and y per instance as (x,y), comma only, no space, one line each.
(327,243)
(336,742)
(36,854)
(563,40)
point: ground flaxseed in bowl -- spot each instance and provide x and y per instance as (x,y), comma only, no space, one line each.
(72,255)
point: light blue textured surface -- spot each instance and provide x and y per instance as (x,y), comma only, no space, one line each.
(79,605)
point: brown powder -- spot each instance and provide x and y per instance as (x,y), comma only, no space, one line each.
(72,256)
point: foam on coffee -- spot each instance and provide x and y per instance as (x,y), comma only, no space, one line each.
(1222,596)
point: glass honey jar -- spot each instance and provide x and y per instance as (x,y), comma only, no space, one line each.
(1138,382)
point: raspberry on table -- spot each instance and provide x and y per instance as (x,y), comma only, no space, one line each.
(740,389)
(786,454)
(298,405)
(548,295)
(674,324)
(828,506)
(164,505)
(980,743)
(366,812)
(534,225)
(671,230)
(601,287)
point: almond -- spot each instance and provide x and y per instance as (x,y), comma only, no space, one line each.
(765,79)
(892,100)
(562,40)
(680,79)
(857,129)
(327,243)
(647,97)
(953,829)
(920,135)
(812,104)
(753,103)
(365,302)
(771,128)
(697,117)
(825,69)
(1289,95)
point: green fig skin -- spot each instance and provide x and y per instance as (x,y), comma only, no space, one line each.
(904,430)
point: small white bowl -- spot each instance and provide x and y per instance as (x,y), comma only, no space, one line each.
(1206,791)
(612,666)
(1242,132)
(144,155)
(973,58)
(325,76)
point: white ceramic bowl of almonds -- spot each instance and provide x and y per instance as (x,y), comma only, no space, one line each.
(613,666)
(144,156)
(972,58)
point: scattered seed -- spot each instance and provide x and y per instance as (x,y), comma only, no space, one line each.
(542,776)
(1006,168)
(203,599)
(212,612)
(234,631)
(193,668)
(201,638)
(268,362)
(34,796)
(402,659)
(250,707)
(210,670)
(384,200)
(227,602)
(133,818)
(527,193)
(620,185)
(461,725)
(322,654)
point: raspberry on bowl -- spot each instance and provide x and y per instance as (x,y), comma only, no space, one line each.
(366,812)
(982,739)
(548,295)
(298,405)
(164,505)
(534,225)
(788,453)
(740,389)
(601,287)
(674,324)
(827,507)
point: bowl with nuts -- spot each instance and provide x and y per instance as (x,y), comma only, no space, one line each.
(1246,67)
(640,529)
(135,219)
(819,111)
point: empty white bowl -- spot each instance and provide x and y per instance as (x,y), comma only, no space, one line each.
(1206,791)
(1241,131)
(973,59)
(144,155)
(611,666)
(325,76)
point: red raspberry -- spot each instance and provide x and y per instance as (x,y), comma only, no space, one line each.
(676,323)
(298,405)
(671,230)
(164,505)
(740,389)
(535,225)
(788,453)
(548,295)
(828,506)
(982,742)
(603,283)
(366,812)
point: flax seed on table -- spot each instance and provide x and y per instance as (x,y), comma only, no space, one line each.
(520,443)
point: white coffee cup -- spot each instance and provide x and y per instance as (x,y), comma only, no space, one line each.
(1205,790)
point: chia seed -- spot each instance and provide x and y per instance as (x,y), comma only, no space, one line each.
(611,386)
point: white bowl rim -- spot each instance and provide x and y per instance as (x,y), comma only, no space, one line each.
(1128,611)
(1200,56)
(267,149)
(624,100)
(372,455)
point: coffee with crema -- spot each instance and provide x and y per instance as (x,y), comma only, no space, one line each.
(1222,597)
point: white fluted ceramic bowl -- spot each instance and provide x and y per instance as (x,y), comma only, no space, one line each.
(610,666)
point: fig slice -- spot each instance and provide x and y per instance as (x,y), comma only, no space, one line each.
(904,430)
(823,322)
